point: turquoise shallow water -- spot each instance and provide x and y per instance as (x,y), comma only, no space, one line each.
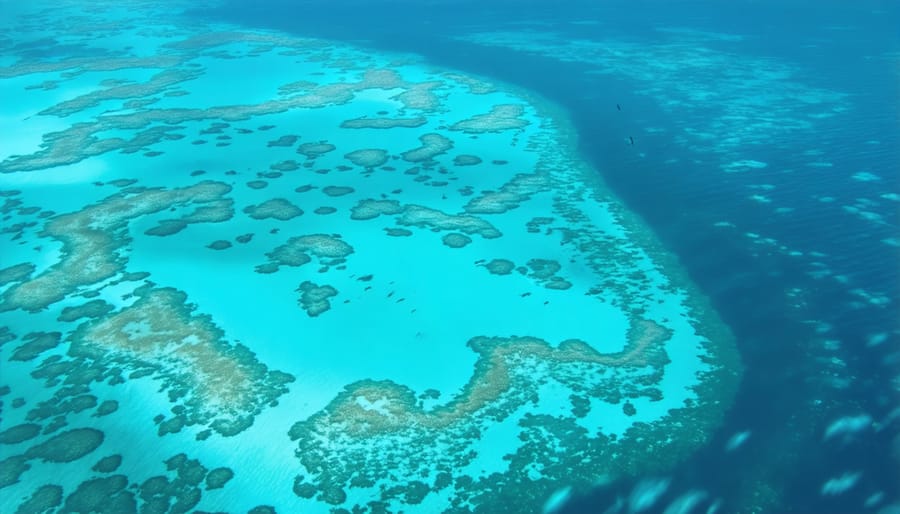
(445,332)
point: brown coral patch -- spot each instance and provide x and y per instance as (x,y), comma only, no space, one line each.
(276,208)
(466,160)
(500,118)
(314,299)
(456,240)
(500,266)
(288,140)
(314,150)
(371,209)
(220,384)
(510,195)
(91,239)
(296,251)
(426,217)
(335,191)
(367,157)
(432,146)
(383,123)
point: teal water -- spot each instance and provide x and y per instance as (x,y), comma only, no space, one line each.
(156,322)
(437,333)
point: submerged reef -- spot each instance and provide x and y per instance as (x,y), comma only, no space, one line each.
(314,299)
(456,240)
(16,273)
(217,384)
(379,423)
(423,217)
(276,208)
(313,150)
(335,191)
(432,146)
(384,123)
(67,446)
(580,350)
(426,217)
(519,189)
(368,157)
(330,250)
(370,209)
(178,489)
(91,309)
(92,239)
(500,118)
(35,343)
(500,266)
(466,160)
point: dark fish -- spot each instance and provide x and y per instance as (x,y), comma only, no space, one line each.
(618,107)
(631,139)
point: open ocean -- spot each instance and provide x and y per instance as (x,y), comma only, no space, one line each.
(457,256)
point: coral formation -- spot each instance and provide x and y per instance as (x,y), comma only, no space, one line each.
(67,446)
(500,266)
(432,146)
(368,157)
(371,209)
(314,150)
(456,240)
(335,191)
(276,208)
(466,160)
(217,383)
(330,250)
(426,217)
(91,239)
(519,189)
(314,299)
(500,118)
(383,123)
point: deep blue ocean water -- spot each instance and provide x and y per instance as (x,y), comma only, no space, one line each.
(773,301)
